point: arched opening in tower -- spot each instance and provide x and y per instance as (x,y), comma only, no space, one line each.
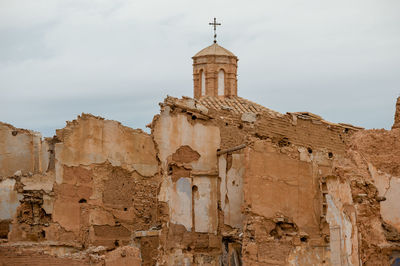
(202,83)
(221,83)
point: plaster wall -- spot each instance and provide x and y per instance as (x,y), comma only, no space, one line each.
(283,205)
(21,150)
(171,131)
(181,203)
(9,199)
(205,204)
(91,140)
(274,182)
(388,187)
(231,189)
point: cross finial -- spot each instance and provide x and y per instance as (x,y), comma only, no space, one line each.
(215,24)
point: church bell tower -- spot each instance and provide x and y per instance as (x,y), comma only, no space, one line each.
(214,71)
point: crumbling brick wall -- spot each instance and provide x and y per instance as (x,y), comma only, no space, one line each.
(370,172)
(211,185)
(100,186)
(276,180)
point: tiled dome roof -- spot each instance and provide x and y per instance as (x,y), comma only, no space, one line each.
(214,49)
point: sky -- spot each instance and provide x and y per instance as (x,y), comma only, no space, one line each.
(118,59)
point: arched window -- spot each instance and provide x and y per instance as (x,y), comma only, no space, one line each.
(221,83)
(202,83)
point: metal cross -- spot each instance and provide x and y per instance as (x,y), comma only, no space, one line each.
(215,24)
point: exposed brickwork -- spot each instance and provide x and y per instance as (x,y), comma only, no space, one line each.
(220,180)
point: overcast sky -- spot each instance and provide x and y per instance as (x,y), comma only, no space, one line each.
(119,59)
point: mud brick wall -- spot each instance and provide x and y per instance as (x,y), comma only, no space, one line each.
(208,186)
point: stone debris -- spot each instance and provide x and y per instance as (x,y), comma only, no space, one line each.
(249,117)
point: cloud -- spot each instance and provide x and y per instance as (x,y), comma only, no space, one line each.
(118,59)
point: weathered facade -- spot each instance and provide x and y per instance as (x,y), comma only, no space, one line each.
(220,180)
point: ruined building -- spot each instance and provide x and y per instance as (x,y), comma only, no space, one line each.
(219,181)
